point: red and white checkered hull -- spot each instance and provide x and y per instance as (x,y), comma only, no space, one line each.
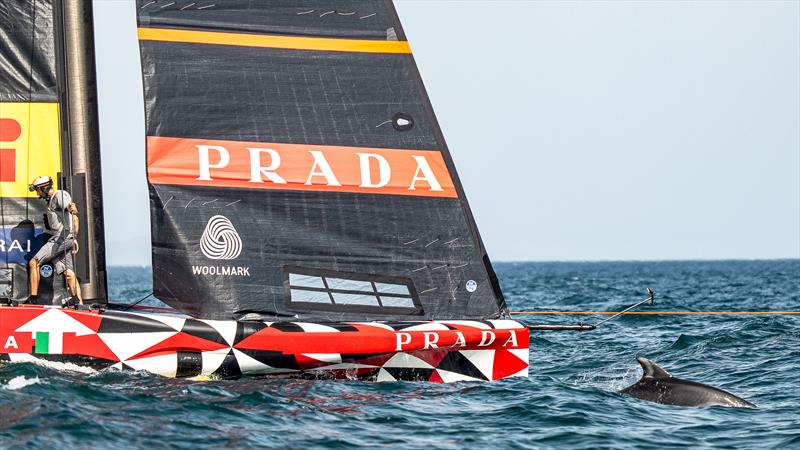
(180,346)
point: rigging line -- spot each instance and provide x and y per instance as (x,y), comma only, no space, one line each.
(651,296)
(138,301)
(30,100)
(28,130)
(588,327)
(64,238)
(657,313)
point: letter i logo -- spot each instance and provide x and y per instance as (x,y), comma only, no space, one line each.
(10,131)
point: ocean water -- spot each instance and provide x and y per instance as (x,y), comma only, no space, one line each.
(570,399)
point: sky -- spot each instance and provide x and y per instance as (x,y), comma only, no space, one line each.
(580,130)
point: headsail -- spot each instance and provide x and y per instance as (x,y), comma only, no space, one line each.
(30,137)
(37,38)
(296,167)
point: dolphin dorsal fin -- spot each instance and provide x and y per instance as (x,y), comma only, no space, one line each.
(651,369)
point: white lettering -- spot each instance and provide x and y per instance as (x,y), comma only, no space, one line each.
(256,170)
(215,270)
(324,169)
(431,339)
(487,337)
(512,339)
(205,160)
(402,339)
(384,171)
(15,244)
(11,343)
(428,176)
(460,339)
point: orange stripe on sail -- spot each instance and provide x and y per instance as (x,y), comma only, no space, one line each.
(254,165)
(273,41)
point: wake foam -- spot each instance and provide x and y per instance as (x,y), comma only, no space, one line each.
(19,383)
(610,379)
(55,365)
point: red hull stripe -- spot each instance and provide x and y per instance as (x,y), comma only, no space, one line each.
(273,41)
(252,165)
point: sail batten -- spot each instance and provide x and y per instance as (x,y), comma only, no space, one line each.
(313,156)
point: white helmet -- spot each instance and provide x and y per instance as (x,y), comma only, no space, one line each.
(43,182)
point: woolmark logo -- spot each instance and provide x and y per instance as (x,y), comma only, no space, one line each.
(220,239)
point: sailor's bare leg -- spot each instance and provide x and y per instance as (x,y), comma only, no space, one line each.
(78,288)
(72,284)
(33,276)
(74,251)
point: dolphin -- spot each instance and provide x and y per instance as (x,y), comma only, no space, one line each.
(657,385)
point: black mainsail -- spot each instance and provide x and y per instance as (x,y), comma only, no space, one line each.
(296,167)
(48,126)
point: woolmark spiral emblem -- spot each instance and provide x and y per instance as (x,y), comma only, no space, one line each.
(220,240)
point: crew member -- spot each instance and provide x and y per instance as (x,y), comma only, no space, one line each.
(61,223)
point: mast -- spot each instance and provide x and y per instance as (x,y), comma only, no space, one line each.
(81,140)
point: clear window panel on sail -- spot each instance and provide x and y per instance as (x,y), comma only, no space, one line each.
(325,290)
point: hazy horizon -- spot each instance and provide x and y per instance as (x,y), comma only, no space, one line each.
(582,131)
(576,261)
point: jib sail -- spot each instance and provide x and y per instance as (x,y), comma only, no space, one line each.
(296,168)
(38,38)
(30,137)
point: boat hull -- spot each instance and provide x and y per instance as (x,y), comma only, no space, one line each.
(179,346)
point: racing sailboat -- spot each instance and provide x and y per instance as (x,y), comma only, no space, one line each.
(306,215)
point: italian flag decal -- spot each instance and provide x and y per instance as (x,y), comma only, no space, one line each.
(49,343)
(48,329)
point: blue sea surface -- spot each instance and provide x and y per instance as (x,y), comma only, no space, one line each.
(570,399)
